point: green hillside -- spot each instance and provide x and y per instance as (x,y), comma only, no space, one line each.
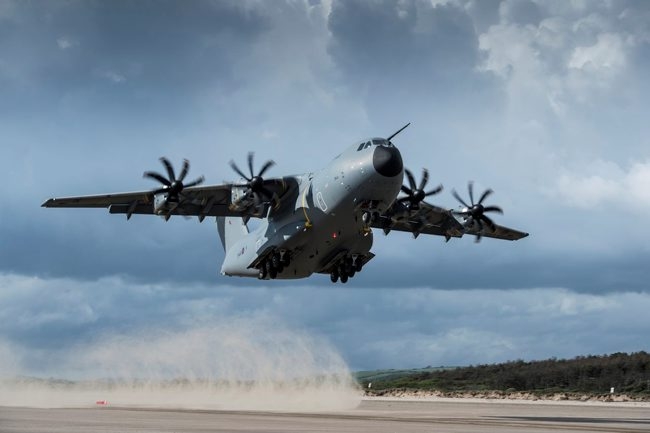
(627,373)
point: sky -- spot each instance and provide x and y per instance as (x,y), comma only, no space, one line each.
(545,102)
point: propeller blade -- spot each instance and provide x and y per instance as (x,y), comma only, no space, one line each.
(485,194)
(470,187)
(434,191)
(250,164)
(406,189)
(268,194)
(156,176)
(489,222)
(455,194)
(170,169)
(492,209)
(425,178)
(270,163)
(197,181)
(237,170)
(411,179)
(184,170)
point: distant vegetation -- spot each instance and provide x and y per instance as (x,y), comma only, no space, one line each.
(627,373)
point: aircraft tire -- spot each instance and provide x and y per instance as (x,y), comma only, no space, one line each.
(270,270)
(351,272)
(358,265)
(262,273)
(334,276)
(277,263)
(344,278)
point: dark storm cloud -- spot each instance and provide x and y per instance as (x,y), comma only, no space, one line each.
(143,52)
(542,101)
(376,42)
(104,132)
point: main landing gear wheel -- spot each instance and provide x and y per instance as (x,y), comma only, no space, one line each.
(271,270)
(277,263)
(334,276)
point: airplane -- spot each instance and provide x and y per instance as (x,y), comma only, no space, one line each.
(318,222)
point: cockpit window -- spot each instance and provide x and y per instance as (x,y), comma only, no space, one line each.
(374,142)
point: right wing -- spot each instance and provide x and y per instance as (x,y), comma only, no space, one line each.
(200,201)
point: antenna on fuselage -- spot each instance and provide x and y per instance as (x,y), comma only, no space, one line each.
(400,130)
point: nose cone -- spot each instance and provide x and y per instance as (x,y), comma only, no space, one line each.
(387,161)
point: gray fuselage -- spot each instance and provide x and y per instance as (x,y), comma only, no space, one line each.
(325,221)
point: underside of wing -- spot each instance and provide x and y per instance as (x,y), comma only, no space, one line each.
(426,219)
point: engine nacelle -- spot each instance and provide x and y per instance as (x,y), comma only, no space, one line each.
(242,200)
(163,203)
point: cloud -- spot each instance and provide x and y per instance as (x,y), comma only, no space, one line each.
(113,76)
(368,328)
(607,53)
(542,101)
(607,185)
(65,43)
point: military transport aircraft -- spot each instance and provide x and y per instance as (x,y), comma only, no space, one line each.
(319,222)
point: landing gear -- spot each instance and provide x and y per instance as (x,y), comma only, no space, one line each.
(270,269)
(277,263)
(274,264)
(346,268)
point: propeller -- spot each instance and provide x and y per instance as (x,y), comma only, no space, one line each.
(172,185)
(476,211)
(415,194)
(255,183)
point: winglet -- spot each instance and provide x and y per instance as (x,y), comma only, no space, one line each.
(400,130)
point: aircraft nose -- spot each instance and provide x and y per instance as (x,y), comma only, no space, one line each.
(387,161)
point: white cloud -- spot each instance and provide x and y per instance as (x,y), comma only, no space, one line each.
(113,76)
(65,43)
(606,184)
(605,56)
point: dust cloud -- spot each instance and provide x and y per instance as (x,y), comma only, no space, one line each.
(244,363)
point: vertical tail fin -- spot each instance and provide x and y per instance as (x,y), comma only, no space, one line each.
(231,229)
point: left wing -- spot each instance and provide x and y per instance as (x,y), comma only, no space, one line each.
(428,220)
(434,220)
